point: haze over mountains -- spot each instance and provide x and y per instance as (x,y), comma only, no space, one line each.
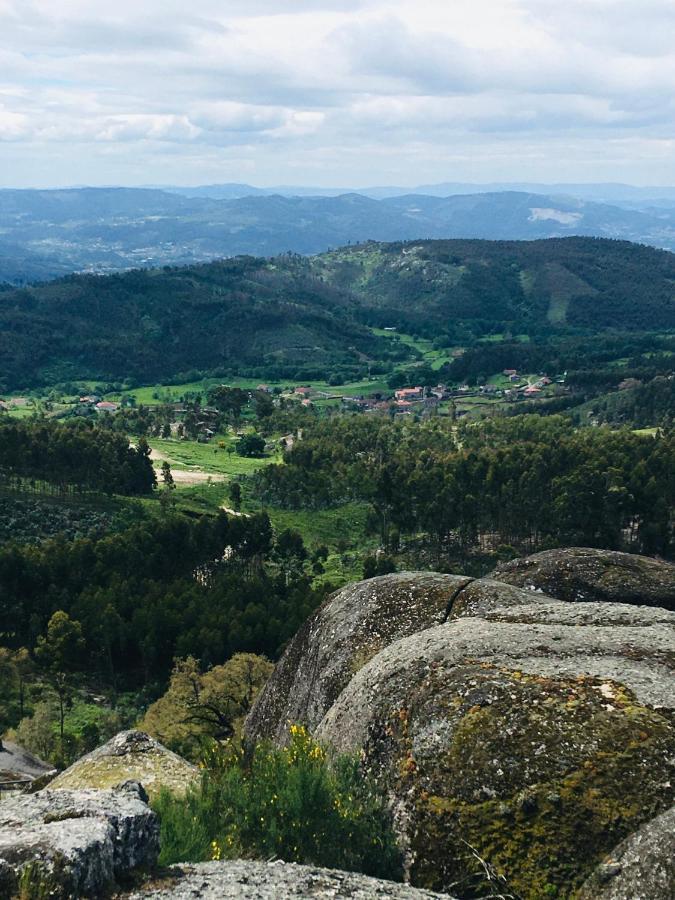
(47,233)
(609,192)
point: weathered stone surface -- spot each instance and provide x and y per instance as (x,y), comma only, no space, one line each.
(245,880)
(130,755)
(641,868)
(351,627)
(541,735)
(582,573)
(484,594)
(18,764)
(65,844)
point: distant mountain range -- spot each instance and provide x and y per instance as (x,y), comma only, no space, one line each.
(610,192)
(44,234)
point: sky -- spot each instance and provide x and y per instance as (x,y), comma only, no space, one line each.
(331,93)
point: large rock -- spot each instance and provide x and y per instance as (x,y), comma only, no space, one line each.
(64,844)
(130,755)
(17,764)
(641,868)
(349,629)
(481,595)
(582,573)
(534,738)
(245,880)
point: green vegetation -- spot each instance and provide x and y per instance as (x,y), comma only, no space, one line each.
(162,588)
(322,318)
(79,457)
(274,320)
(293,804)
(121,597)
(527,482)
(210,705)
(28,520)
(211,458)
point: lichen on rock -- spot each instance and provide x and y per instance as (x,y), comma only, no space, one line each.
(249,880)
(130,755)
(582,574)
(64,844)
(642,867)
(348,630)
(521,738)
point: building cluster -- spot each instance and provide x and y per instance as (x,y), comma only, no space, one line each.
(92,401)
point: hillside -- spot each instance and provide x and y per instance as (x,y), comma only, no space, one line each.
(150,324)
(112,229)
(583,282)
(290,314)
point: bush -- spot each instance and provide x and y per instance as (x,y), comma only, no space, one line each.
(292,803)
(251,445)
(378,565)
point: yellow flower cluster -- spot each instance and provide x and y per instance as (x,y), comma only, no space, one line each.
(303,746)
(216,850)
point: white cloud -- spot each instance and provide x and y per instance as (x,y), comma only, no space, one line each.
(336,92)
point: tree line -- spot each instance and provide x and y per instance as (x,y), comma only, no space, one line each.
(160,589)
(528,482)
(79,455)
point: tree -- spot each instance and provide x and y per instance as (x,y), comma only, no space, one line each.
(251,445)
(229,401)
(167,477)
(59,653)
(263,405)
(290,552)
(212,704)
(235,495)
(36,733)
(378,565)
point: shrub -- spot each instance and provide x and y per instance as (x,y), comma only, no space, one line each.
(293,803)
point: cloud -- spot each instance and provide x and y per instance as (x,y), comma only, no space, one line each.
(334,91)
(13,126)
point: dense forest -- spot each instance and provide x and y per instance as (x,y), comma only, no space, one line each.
(148,325)
(295,317)
(527,482)
(79,456)
(157,590)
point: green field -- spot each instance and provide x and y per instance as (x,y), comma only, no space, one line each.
(209,457)
(436,358)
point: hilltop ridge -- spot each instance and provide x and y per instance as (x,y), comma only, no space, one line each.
(293,314)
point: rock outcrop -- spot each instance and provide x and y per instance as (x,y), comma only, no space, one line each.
(17,764)
(581,574)
(511,721)
(244,880)
(641,868)
(130,755)
(481,595)
(536,736)
(349,629)
(63,844)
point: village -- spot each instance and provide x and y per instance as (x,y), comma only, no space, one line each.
(458,401)
(374,397)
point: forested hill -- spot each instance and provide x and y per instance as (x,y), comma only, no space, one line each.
(153,324)
(289,314)
(581,282)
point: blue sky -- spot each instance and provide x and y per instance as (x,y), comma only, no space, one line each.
(336,93)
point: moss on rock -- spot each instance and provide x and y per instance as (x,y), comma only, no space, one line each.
(130,756)
(542,777)
(534,739)
(342,636)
